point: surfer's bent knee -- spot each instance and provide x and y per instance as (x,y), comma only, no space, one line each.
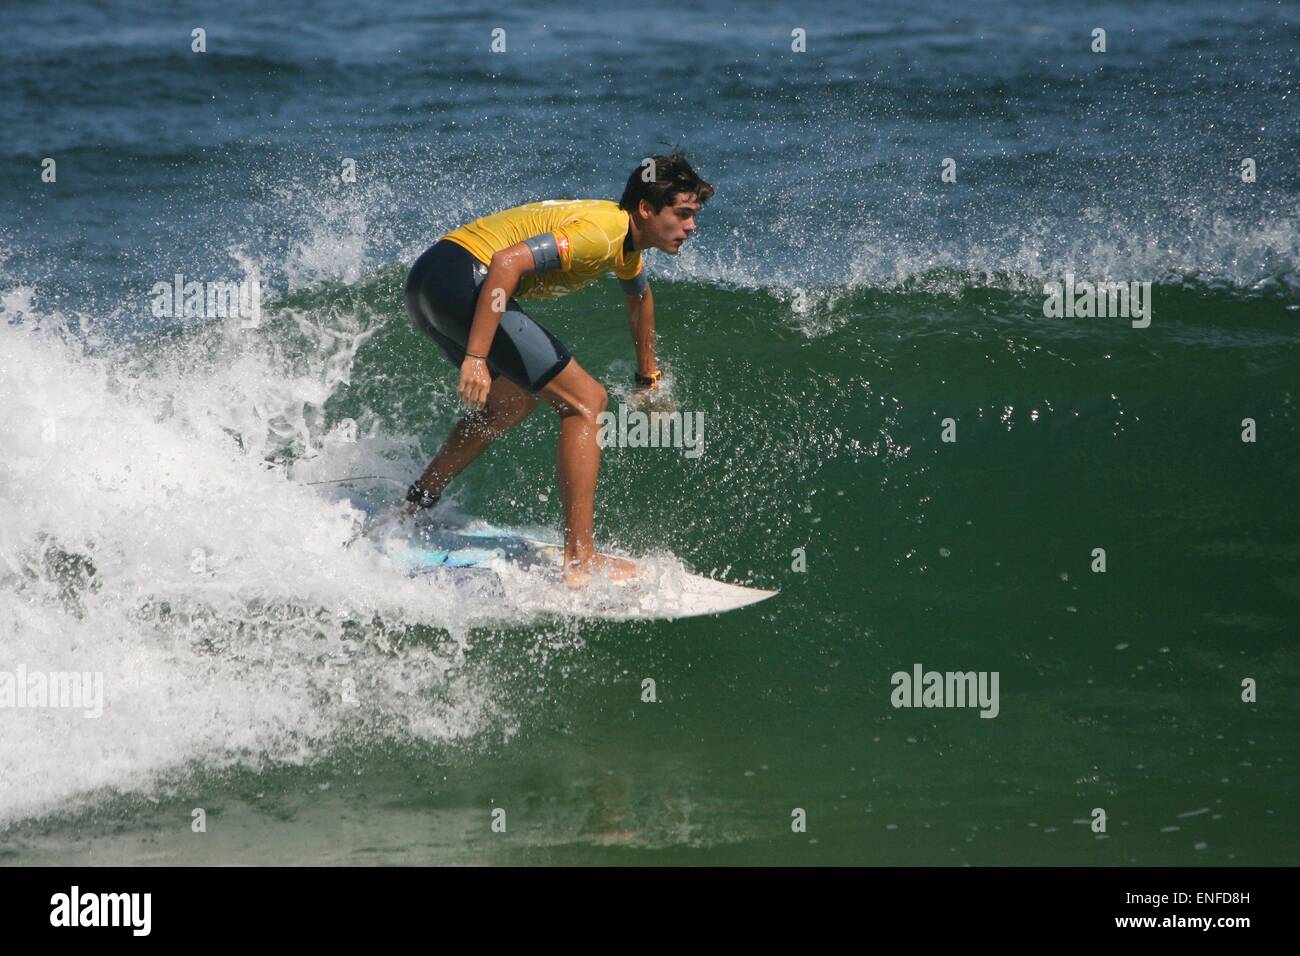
(600,399)
(585,397)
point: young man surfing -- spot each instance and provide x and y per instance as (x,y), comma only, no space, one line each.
(461,291)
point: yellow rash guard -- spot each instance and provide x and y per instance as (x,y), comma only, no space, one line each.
(588,242)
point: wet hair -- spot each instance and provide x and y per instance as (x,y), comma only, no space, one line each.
(672,175)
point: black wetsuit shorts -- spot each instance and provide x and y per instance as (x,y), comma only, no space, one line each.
(441,292)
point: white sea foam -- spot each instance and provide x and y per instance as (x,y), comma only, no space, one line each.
(140,540)
(876,253)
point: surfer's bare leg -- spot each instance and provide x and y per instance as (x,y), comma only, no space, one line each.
(507,406)
(579,399)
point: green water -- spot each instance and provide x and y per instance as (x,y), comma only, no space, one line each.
(1118,690)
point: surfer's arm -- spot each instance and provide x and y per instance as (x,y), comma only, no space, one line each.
(508,265)
(504,272)
(641,323)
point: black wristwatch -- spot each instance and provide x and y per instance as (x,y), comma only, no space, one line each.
(651,380)
(421,498)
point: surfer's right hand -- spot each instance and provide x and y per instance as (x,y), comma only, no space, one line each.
(474,382)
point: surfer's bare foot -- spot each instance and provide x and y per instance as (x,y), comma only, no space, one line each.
(578,574)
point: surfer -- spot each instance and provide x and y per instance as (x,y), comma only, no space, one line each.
(460,293)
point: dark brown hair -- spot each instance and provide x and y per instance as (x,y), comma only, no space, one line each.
(673,175)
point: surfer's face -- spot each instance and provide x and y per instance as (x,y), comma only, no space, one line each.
(670,227)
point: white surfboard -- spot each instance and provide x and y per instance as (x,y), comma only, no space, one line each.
(527,566)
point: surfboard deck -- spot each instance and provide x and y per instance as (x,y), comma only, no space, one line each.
(527,567)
